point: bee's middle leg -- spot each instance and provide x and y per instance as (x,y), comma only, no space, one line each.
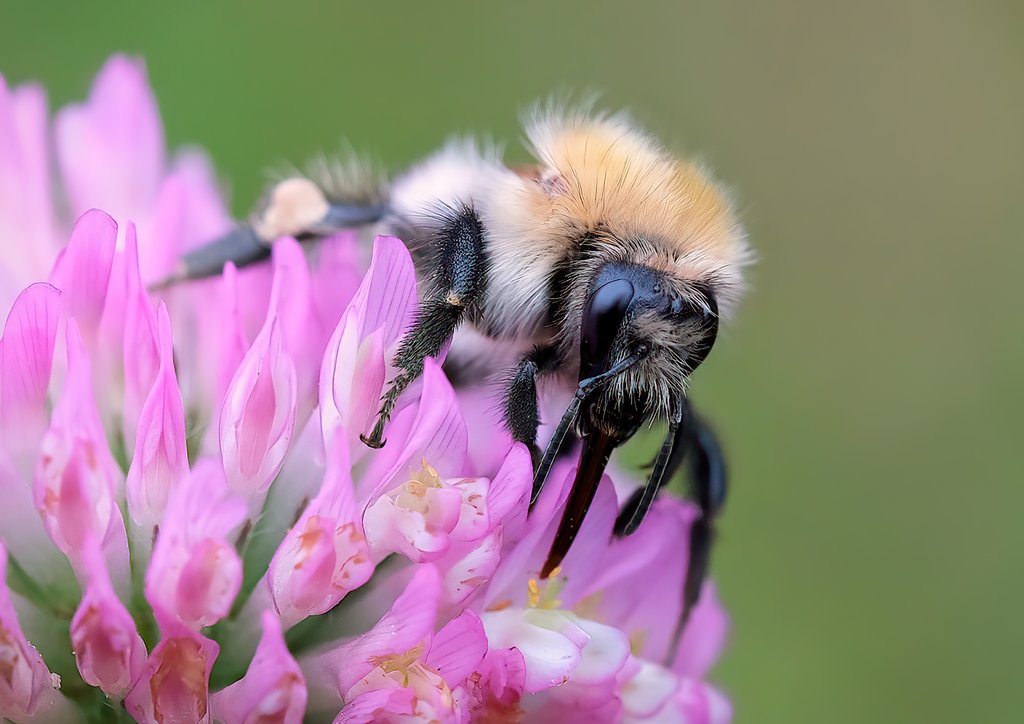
(460,279)
(698,447)
(521,414)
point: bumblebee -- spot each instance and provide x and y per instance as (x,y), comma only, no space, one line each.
(605,267)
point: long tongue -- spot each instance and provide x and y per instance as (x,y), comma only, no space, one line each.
(597,448)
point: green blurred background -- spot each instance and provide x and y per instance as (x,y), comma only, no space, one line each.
(870,393)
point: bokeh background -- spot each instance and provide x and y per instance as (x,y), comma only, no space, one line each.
(870,393)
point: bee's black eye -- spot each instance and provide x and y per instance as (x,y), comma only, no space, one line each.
(602,317)
(707,315)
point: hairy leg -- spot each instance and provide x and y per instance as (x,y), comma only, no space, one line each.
(457,255)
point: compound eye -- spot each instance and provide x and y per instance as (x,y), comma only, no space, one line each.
(707,318)
(602,318)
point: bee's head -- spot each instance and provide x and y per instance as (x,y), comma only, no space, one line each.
(667,324)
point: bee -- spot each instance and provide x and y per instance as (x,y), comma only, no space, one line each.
(605,267)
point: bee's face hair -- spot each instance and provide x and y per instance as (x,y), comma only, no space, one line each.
(670,324)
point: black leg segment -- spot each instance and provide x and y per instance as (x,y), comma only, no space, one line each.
(457,254)
(665,466)
(521,415)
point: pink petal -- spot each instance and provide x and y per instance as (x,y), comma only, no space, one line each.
(704,637)
(258,415)
(111,149)
(353,370)
(141,343)
(26,213)
(458,648)
(272,690)
(489,439)
(206,217)
(26,683)
(466,567)
(351,380)
(187,211)
(303,334)
(175,682)
(76,478)
(387,297)
(646,688)
(26,360)
(108,649)
(413,519)
(584,560)
(409,622)
(432,429)
(216,348)
(374,706)
(604,654)
(508,493)
(195,572)
(25,535)
(701,704)
(324,555)
(161,457)
(82,271)
(551,644)
(496,687)
(336,276)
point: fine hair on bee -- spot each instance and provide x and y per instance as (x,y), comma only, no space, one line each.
(604,268)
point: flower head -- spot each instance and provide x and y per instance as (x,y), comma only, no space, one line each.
(187,500)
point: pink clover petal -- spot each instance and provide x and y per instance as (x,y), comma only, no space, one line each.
(416,518)
(76,478)
(701,704)
(111,148)
(351,380)
(646,688)
(550,642)
(604,654)
(108,649)
(495,689)
(473,522)
(432,429)
(258,416)
(408,624)
(354,368)
(82,271)
(26,209)
(26,360)
(387,297)
(141,346)
(336,276)
(195,573)
(26,683)
(174,685)
(458,648)
(272,690)
(378,706)
(509,491)
(292,296)
(704,637)
(324,555)
(467,567)
(161,457)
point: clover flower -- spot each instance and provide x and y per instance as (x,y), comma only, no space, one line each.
(190,528)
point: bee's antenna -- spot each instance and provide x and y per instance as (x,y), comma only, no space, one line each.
(554,447)
(657,478)
(569,417)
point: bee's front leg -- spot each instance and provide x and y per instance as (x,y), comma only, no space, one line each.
(457,256)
